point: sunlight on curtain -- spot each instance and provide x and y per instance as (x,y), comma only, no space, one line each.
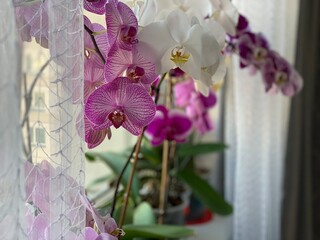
(256,129)
(42,166)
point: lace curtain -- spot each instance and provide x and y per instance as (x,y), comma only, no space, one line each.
(256,129)
(42,158)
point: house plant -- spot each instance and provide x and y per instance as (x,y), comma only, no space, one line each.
(122,61)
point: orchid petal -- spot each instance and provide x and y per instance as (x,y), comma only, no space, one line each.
(117,63)
(101,103)
(97,7)
(152,44)
(178,25)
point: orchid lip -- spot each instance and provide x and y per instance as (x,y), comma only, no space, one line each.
(260,53)
(281,78)
(128,34)
(179,56)
(117,118)
(135,73)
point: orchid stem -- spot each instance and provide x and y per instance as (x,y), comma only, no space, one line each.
(91,33)
(119,181)
(165,161)
(133,167)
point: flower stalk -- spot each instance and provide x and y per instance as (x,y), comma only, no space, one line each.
(128,189)
(165,161)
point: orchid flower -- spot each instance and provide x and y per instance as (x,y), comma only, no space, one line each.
(253,49)
(177,42)
(196,105)
(32,21)
(120,103)
(278,74)
(101,40)
(225,13)
(132,64)
(95,6)
(105,224)
(94,137)
(171,125)
(91,234)
(122,25)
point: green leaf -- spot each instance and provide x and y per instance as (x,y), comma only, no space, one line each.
(143,214)
(116,162)
(206,193)
(189,149)
(129,212)
(151,154)
(103,179)
(155,231)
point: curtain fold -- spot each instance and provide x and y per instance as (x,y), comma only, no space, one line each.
(301,200)
(256,129)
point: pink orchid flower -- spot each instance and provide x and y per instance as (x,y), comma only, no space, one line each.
(120,103)
(122,25)
(95,6)
(132,64)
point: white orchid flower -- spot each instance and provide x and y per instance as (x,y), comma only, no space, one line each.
(148,11)
(224,12)
(179,42)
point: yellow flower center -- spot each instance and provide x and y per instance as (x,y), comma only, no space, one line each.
(281,78)
(260,53)
(179,56)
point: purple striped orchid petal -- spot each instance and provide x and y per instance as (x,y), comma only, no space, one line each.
(120,103)
(130,63)
(122,25)
(95,6)
(101,39)
(93,78)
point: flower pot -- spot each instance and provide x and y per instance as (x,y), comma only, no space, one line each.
(173,215)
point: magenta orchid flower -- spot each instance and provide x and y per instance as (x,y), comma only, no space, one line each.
(120,103)
(95,6)
(91,136)
(132,64)
(122,25)
(91,234)
(32,21)
(278,74)
(105,224)
(253,49)
(171,125)
(102,42)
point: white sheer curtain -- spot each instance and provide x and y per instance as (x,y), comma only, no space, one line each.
(256,129)
(11,177)
(46,129)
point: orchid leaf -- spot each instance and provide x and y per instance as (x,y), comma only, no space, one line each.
(205,192)
(155,231)
(189,149)
(116,162)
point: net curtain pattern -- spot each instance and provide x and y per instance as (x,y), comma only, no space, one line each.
(59,163)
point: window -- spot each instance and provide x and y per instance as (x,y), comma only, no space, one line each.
(39,136)
(39,101)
